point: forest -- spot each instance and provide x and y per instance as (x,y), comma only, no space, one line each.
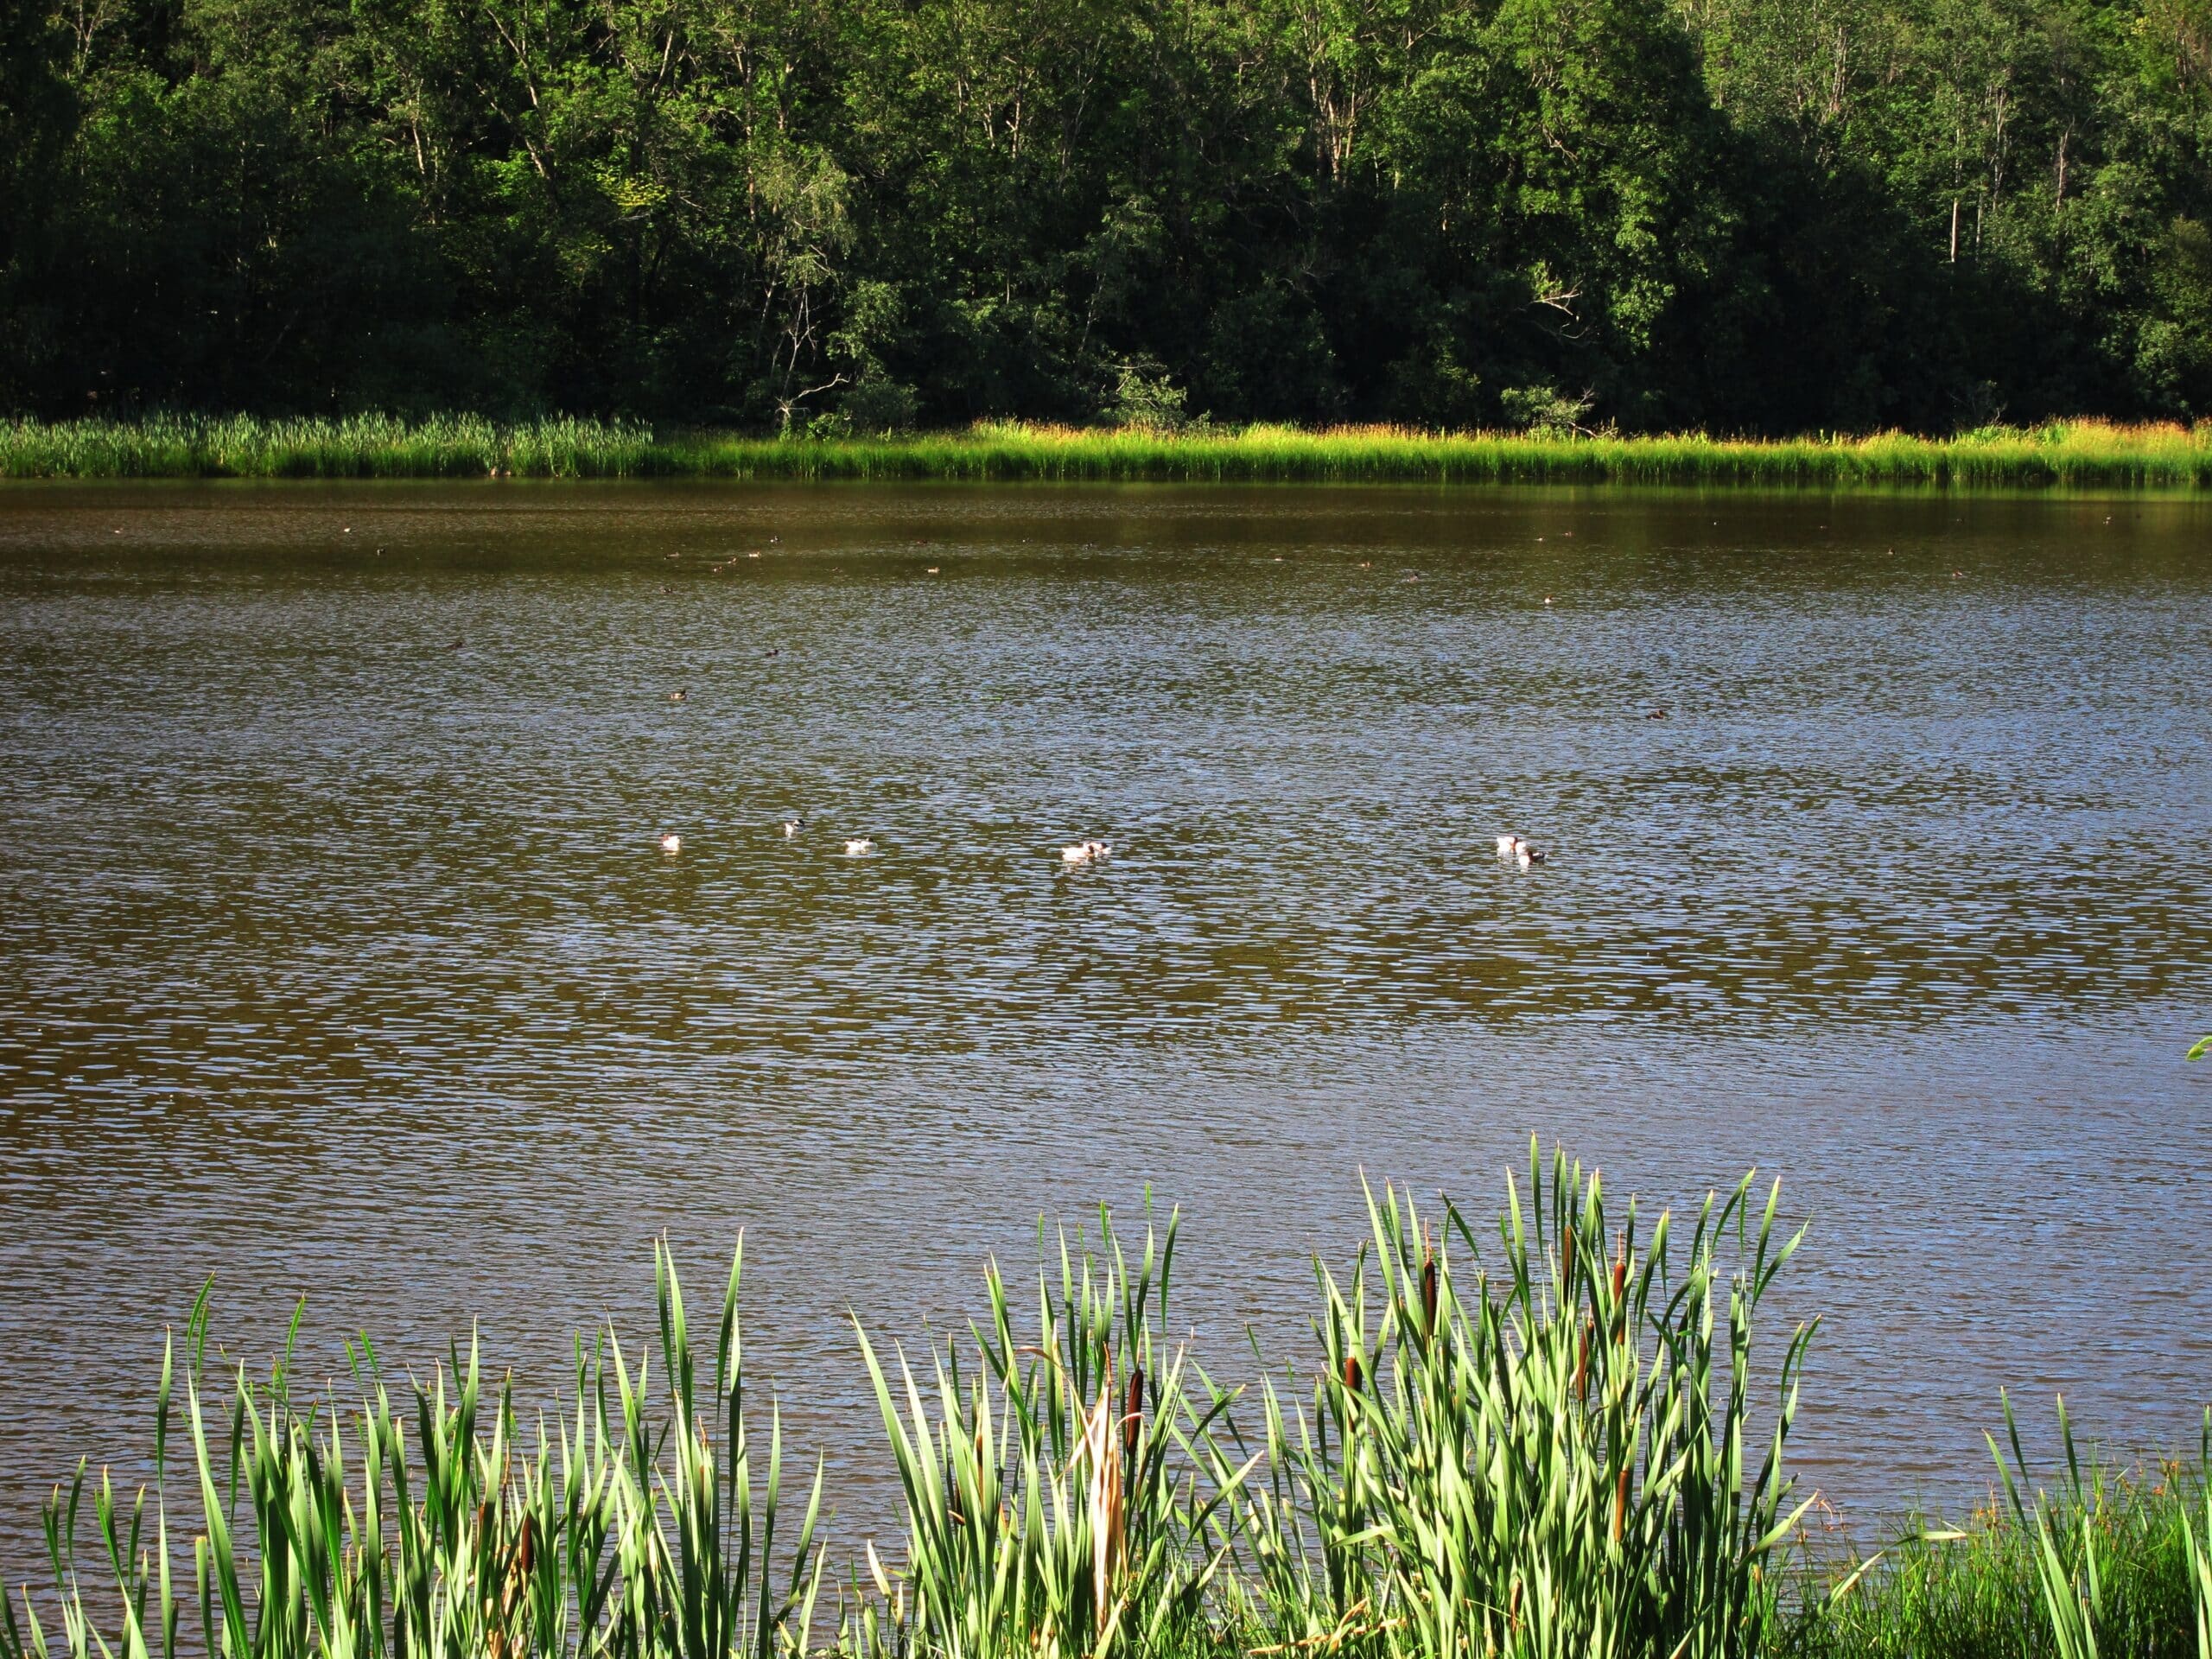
(845,217)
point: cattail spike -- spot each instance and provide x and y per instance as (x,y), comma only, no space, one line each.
(1428,1297)
(1132,1415)
(1351,1372)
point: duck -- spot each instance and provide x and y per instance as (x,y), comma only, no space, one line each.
(671,842)
(857,845)
(679,696)
(1085,852)
(792,826)
(1514,850)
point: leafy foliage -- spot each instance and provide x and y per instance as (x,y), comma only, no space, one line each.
(1556,1444)
(794,216)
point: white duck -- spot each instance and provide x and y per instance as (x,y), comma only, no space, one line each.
(858,846)
(671,842)
(1085,852)
(792,826)
(1512,849)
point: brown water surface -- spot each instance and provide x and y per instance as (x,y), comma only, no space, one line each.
(338,955)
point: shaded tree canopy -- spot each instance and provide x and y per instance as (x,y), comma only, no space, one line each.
(1748,215)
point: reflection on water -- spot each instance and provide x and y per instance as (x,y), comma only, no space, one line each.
(338,954)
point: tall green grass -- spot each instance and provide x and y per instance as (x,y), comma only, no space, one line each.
(2092,1560)
(1553,1460)
(1065,1497)
(641,1524)
(2087,453)
(1552,1439)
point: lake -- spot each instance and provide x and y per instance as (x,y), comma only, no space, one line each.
(339,956)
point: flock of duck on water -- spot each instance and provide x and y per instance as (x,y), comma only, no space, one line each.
(1083,851)
(1511,849)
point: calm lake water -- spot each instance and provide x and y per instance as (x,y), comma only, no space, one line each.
(338,955)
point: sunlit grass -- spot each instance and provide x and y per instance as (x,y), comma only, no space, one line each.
(2075,453)
(2090,1559)
(1553,1438)
(641,1522)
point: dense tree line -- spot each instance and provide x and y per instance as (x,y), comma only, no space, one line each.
(1746,214)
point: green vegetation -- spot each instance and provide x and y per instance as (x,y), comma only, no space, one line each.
(2103,1562)
(1768,216)
(2078,452)
(1536,1444)
(644,1523)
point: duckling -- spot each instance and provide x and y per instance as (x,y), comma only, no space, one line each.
(1085,852)
(671,843)
(858,846)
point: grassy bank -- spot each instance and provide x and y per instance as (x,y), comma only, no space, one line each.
(1530,1439)
(2082,454)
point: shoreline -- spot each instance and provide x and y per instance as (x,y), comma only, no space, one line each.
(1556,1420)
(2060,454)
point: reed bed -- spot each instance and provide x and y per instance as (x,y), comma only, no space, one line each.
(2099,1561)
(1546,1440)
(2078,453)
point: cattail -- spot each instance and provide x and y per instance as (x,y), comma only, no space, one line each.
(496,1645)
(1428,1297)
(1582,1364)
(518,1578)
(1133,1416)
(1620,1267)
(1620,1505)
(1351,1373)
(1566,1263)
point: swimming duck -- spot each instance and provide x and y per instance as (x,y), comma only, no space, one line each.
(1514,850)
(671,842)
(792,826)
(677,696)
(1085,852)
(858,845)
